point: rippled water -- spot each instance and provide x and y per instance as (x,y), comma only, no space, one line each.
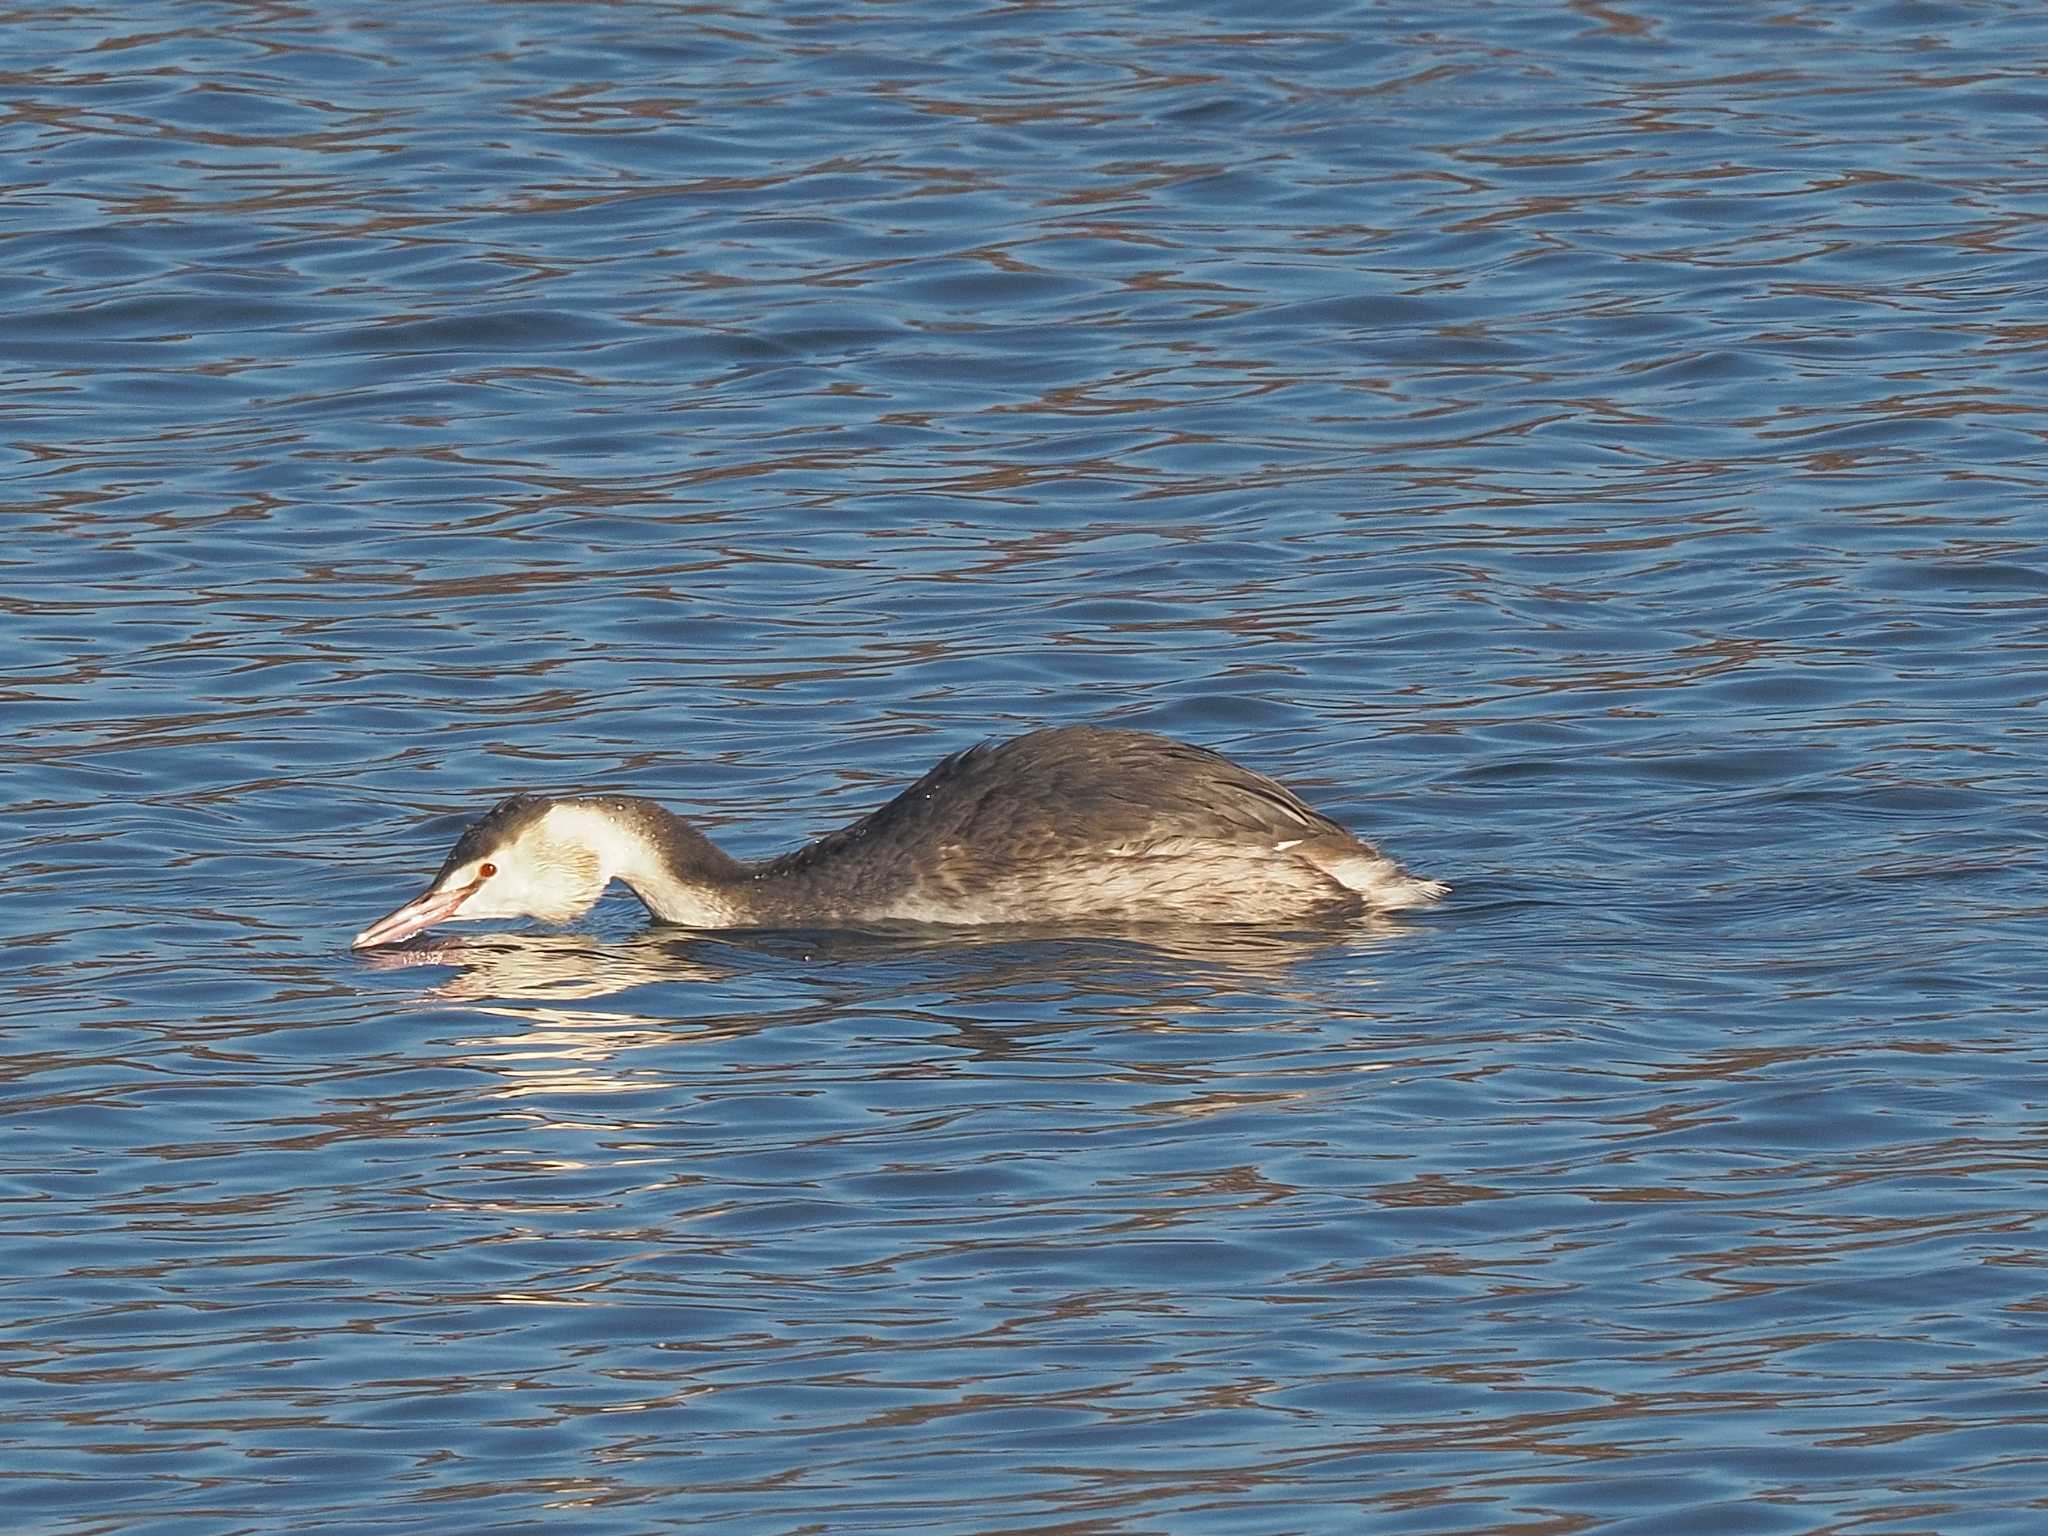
(1596,450)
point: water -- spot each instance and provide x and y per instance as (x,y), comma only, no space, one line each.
(1597,451)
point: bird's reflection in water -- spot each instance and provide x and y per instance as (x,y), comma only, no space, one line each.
(728,1116)
(550,967)
(996,986)
(556,968)
(578,1007)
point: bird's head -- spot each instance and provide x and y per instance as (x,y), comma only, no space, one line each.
(529,856)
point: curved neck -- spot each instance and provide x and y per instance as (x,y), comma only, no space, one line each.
(678,873)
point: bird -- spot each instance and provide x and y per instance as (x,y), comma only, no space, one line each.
(1075,825)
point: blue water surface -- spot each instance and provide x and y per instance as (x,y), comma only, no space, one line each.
(1595,451)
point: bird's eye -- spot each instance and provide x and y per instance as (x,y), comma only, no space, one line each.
(487,870)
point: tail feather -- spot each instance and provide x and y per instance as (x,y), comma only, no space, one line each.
(1384,884)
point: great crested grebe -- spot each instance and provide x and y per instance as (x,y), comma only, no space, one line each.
(1074,825)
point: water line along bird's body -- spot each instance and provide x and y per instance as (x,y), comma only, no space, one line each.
(1075,825)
